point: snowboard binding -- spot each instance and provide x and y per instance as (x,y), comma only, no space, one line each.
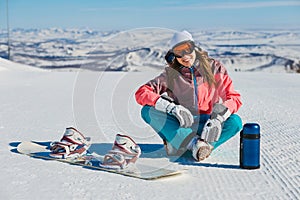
(73,144)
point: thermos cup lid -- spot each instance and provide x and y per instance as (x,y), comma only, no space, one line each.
(251,128)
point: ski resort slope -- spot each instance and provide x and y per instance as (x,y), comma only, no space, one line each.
(6,65)
(40,105)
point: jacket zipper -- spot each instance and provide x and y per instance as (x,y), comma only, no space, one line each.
(195,88)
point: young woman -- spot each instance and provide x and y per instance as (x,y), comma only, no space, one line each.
(191,104)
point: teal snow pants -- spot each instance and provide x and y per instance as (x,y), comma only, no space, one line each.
(168,128)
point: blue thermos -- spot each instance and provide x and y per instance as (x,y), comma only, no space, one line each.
(250,146)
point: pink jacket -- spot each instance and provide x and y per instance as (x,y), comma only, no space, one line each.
(184,94)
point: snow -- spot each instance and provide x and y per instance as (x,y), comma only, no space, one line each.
(12,66)
(138,49)
(39,105)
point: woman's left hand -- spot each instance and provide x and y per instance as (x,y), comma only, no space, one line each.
(213,127)
(212,130)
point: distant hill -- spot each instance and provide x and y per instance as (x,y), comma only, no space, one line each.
(144,49)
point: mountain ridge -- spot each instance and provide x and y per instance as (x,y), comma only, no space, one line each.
(144,49)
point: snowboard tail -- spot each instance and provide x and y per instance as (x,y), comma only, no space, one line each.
(93,161)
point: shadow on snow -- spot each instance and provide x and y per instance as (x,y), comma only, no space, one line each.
(148,151)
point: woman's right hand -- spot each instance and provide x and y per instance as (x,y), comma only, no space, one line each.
(183,115)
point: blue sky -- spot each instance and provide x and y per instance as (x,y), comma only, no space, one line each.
(174,14)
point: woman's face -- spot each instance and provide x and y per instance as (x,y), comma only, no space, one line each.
(185,53)
(187,60)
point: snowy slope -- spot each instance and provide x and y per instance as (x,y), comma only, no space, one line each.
(144,49)
(40,105)
(6,65)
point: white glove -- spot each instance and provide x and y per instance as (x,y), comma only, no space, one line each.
(183,115)
(213,127)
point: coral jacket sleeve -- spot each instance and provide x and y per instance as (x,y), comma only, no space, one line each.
(231,98)
(148,93)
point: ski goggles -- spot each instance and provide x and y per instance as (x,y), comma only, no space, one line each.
(183,49)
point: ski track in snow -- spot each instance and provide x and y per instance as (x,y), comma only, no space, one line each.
(278,114)
(39,105)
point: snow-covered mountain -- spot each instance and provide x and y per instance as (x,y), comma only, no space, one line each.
(144,49)
(40,105)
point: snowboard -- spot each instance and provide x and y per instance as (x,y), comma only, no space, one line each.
(93,161)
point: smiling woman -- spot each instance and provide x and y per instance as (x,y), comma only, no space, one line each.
(186,53)
(192,103)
